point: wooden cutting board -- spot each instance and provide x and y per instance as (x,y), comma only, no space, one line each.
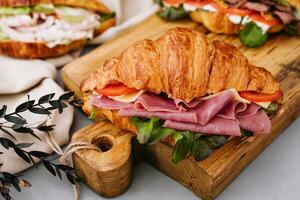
(281,56)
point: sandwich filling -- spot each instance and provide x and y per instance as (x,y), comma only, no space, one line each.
(50,24)
(257,17)
(228,113)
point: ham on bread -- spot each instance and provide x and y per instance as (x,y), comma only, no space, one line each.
(182,82)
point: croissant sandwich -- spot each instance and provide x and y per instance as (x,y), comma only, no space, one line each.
(185,90)
(251,19)
(50,28)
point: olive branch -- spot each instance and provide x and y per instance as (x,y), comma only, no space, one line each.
(15,122)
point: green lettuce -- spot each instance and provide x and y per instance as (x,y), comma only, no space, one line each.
(186,142)
(44,8)
(172,12)
(272,108)
(15,11)
(252,35)
(105,17)
(292,28)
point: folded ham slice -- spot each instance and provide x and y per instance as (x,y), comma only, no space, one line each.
(217,126)
(257,123)
(190,117)
(156,103)
(209,108)
(221,114)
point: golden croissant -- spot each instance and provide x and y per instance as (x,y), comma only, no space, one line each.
(183,64)
(182,73)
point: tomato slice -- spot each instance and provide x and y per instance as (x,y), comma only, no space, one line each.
(260,97)
(201,3)
(236,11)
(260,18)
(173,2)
(115,90)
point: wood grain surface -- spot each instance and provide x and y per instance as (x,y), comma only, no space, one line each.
(280,55)
(108,170)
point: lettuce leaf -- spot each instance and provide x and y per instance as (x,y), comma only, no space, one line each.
(252,35)
(272,108)
(186,142)
(105,17)
(44,8)
(15,11)
(172,13)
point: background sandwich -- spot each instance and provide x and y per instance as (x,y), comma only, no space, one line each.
(50,28)
(183,89)
(251,19)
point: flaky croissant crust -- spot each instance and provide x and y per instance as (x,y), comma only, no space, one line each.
(185,65)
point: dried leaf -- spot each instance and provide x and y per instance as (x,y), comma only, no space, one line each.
(15,182)
(14,119)
(24,106)
(23,130)
(22,155)
(23,145)
(70,178)
(49,167)
(3,111)
(8,133)
(52,157)
(46,98)
(66,96)
(58,173)
(41,111)
(55,104)
(45,128)
(39,154)
(6,143)
(65,167)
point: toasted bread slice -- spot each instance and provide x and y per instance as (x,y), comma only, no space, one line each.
(219,23)
(93,5)
(39,50)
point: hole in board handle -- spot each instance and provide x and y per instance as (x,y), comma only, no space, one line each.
(104,142)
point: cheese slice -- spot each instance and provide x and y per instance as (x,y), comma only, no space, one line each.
(128,98)
(263,104)
(239,98)
(235,94)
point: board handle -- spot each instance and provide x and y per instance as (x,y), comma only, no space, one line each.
(108,168)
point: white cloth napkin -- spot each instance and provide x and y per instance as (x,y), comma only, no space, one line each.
(20,78)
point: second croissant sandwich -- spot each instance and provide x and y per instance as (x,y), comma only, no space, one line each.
(182,88)
(252,20)
(49,28)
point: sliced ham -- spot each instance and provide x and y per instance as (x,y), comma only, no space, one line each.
(249,110)
(260,7)
(228,112)
(221,114)
(156,103)
(258,123)
(209,108)
(285,17)
(106,103)
(175,116)
(217,126)
(182,105)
